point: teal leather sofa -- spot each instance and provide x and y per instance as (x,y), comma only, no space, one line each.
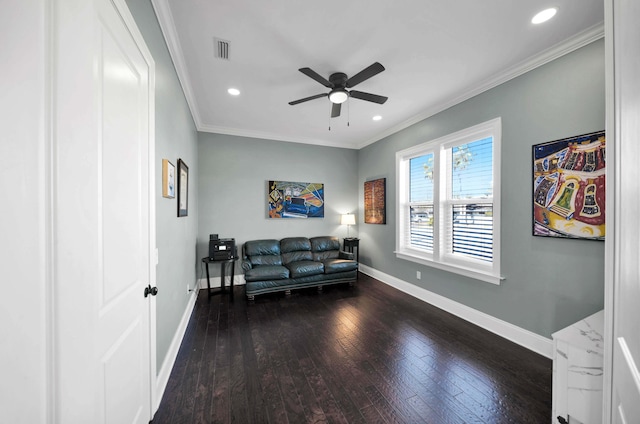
(295,262)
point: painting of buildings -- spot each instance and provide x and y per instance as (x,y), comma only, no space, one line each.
(569,187)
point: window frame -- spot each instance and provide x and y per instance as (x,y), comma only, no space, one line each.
(439,258)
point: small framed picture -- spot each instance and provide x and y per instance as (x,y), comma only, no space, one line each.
(183,188)
(168,179)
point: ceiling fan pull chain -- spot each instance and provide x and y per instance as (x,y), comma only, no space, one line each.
(348,112)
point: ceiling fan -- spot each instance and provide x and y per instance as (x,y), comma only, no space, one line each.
(338,83)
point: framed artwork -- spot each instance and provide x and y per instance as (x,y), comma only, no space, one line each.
(295,200)
(375,201)
(569,187)
(168,179)
(183,188)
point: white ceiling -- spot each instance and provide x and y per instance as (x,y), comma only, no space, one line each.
(436,54)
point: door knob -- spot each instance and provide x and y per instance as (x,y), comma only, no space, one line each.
(150,291)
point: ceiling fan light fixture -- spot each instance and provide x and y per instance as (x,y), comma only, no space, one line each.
(338,83)
(338,96)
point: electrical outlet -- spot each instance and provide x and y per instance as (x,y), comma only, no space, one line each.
(418,275)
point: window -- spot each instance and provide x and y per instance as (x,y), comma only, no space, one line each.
(448,203)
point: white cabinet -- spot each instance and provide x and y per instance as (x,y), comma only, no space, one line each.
(577,371)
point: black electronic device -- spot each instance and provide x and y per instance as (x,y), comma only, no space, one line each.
(222,249)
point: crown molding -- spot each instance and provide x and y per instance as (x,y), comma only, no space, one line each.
(272,136)
(167,25)
(581,39)
(168,29)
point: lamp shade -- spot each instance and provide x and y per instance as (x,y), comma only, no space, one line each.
(348,219)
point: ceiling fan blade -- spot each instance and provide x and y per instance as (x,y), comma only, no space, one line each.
(368,97)
(306,99)
(314,75)
(335,109)
(365,74)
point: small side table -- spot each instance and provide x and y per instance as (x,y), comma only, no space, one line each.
(350,243)
(223,264)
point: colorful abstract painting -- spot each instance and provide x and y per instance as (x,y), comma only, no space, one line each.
(569,187)
(295,200)
(375,202)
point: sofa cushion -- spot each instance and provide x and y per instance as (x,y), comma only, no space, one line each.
(263,252)
(325,247)
(266,272)
(332,266)
(295,249)
(305,268)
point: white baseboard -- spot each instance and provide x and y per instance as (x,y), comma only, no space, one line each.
(167,365)
(169,360)
(525,338)
(215,282)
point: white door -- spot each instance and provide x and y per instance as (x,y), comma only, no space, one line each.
(625,391)
(103,205)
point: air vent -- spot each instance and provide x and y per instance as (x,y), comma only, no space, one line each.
(221,48)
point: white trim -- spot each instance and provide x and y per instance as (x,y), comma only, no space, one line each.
(170,359)
(153,262)
(518,335)
(49,143)
(612,244)
(581,39)
(172,353)
(165,19)
(456,269)
(271,136)
(441,256)
(215,282)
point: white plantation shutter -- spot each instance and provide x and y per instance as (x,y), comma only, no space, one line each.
(470,199)
(420,210)
(472,231)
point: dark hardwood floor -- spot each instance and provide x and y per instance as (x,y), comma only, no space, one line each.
(362,354)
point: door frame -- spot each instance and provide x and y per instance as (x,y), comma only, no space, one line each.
(614,235)
(610,241)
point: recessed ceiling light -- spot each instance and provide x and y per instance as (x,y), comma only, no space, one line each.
(544,16)
(233,91)
(377,118)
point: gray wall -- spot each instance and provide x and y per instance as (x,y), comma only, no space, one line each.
(550,283)
(233,175)
(176,137)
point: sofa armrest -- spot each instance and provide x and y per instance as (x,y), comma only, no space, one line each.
(345,255)
(246,266)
